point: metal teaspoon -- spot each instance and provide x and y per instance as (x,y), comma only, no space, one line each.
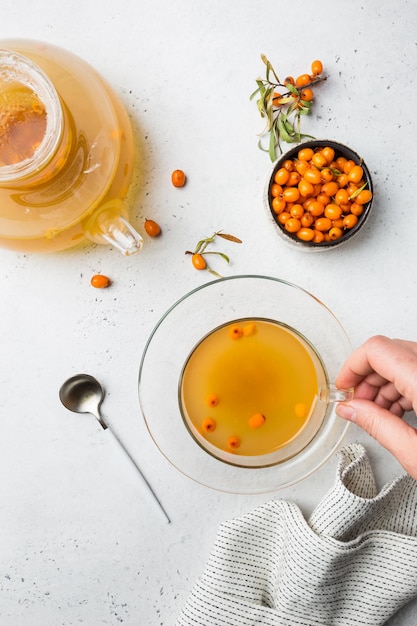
(84,394)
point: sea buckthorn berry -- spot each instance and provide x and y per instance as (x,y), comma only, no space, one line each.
(356,209)
(256,421)
(305,188)
(307,202)
(275,98)
(342,180)
(337,223)
(212,399)
(332,211)
(318,236)
(302,80)
(278,205)
(300,410)
(326,175)
(349,221)
(208,425)
(363,196)
(276,190)
(355,174)
(235,332)
(291,194)
(319,159)
(249,329)
(305,154)
(301,167)
(316,67)
(294,179)
(283,217)
(199,261)
(99,281)
(312,175)
(289,80)
(350,164)
(152,228)
(307,95)
(340,163)
(335,233)
(341,197)
(178,178)
(321,197)
(351,188)
(328,154)
(345,208)
(305,234)
(233,442)
(292,225)
(306,220)
(330,189)
(282,175)
(288,164)
(323,224)
(316,208)
(297,210)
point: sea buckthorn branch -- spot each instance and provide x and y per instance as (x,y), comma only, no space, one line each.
(200,251)
(283,110)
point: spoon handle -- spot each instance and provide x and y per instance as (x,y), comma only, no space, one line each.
(145,480)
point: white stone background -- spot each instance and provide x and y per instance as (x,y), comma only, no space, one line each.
(80,542)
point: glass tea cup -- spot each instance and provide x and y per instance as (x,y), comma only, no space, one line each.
(176,336)
(254,392)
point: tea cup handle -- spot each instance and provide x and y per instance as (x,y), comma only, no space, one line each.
(330,394)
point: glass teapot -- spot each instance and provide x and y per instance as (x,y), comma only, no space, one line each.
(66,153)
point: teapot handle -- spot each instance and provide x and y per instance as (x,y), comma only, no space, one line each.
(109,225)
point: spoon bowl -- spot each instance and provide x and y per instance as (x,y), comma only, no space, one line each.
(83,394)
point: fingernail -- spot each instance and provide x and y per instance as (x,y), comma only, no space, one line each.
(346,411)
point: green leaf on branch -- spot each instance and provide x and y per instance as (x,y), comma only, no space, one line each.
(281,110)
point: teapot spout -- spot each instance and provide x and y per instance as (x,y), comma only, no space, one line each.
(109,225)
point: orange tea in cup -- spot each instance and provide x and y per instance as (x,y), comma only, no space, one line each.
(251,389)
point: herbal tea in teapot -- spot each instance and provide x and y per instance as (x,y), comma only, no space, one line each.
(66,153)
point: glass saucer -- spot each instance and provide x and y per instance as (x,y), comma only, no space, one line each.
(175,336)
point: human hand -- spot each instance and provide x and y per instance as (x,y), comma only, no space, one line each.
(383,373)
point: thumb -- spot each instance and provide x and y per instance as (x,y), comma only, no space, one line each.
(388,429)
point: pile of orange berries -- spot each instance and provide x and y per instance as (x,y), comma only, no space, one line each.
(319,196)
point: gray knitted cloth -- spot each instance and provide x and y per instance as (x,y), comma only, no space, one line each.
(353,563)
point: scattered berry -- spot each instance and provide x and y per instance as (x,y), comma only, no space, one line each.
(199,262)
(99,281)
(152,228)
(212,400)
(235,332)
(208,425)
(178,178)
(256,421)
(233,442)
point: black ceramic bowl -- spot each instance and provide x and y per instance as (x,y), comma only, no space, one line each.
(340,151)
